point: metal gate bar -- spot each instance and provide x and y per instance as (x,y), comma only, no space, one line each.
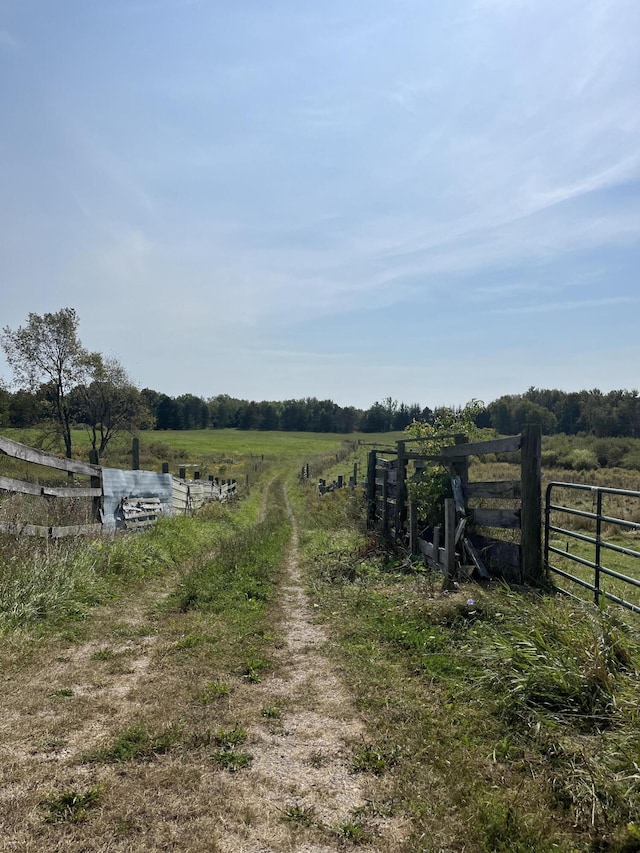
(600,544)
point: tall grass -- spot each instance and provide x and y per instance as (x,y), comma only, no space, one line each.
(43,582)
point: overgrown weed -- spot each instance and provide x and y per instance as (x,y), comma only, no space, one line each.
(70,806)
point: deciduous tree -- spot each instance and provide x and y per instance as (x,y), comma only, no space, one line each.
(109,403)
(47,350)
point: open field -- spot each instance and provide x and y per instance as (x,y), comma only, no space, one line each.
(194,446)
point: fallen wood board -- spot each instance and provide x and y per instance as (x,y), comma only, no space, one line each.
(475,559)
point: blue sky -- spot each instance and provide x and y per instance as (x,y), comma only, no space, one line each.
(431,201)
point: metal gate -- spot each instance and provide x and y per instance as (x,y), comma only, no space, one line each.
(596,555)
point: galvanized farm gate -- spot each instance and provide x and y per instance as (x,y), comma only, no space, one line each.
(597,558)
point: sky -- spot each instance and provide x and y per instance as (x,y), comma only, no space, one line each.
(428,200)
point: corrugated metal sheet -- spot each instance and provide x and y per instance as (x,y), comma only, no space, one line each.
(119,484)
(176,496)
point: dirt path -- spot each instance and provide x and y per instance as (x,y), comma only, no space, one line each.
(298,793)
(302,765)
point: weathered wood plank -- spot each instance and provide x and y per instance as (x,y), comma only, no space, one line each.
(449,538)
(458,495)
(8,484)
(95,482)
(479,448)
(38,457)
(475,559)
(80,492)
(76,530)
(508,518)
(506,490)
(426,548)
(23,529)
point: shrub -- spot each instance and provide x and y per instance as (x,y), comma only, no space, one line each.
(582,459)
(631,460)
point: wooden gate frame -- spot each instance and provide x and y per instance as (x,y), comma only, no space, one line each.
(390,512)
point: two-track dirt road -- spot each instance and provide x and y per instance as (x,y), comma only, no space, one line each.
(65,697)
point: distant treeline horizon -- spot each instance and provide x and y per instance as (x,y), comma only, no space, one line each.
(592,412)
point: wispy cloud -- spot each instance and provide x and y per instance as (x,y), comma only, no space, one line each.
(623,172)
(573,305)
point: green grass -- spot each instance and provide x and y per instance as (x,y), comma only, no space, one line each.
(190,446)
(214,691)
(227,755)
(300,815)
(70,806)
(135,743)
(231,759)
(236,587)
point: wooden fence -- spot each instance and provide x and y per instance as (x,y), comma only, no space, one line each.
(467,536)
(131,505)
(91,489)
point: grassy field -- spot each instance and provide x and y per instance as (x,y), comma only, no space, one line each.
(199,446)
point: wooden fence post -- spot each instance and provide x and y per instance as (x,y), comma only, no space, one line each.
(165,467)
(401,492)
(449,540)
(355,473)
(413,528)
(531,539)
(135,454)
(371,488)
(95,483)
(183,474)
(385,502)
(460,464)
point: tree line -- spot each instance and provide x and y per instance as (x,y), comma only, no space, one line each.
(615,414)
(58,381)
(302,415)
